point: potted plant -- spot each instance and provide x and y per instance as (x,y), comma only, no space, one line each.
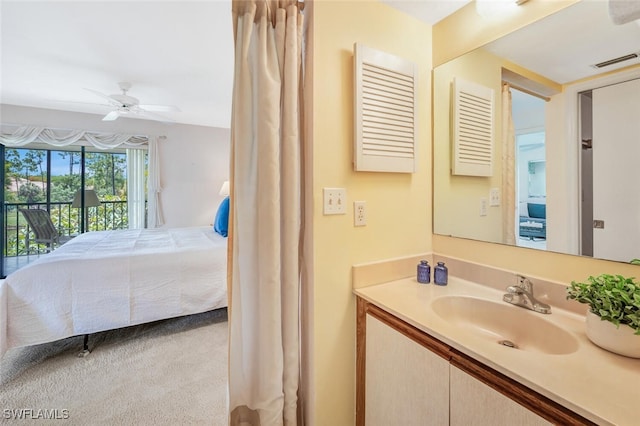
(613,319)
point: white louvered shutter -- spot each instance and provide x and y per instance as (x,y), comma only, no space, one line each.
(385,112)
(472,130)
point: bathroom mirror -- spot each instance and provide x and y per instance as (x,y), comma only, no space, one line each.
(557,180)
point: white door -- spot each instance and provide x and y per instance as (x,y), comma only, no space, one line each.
(616,171)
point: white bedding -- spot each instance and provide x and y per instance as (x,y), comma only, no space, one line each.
(110,279)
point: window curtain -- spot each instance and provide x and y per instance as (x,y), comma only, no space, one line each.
(135,188)
(155,218)
(509,203)
(266,181)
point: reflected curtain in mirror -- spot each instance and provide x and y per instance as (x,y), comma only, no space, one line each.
(508,168)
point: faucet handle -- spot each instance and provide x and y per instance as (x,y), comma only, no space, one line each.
(515,289)
(525,283)
(524,292)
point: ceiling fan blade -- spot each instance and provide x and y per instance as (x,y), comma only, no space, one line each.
(160,108)
(102,95)
(111,116)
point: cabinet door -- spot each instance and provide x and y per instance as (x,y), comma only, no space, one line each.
(406,384)
(474,403)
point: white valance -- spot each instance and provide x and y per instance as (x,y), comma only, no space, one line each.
(24,135)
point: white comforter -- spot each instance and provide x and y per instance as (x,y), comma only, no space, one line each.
(110,279)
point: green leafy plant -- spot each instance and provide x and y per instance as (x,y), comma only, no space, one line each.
(613,298)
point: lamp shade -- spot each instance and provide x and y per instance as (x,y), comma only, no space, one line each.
(224,190)
(90,199)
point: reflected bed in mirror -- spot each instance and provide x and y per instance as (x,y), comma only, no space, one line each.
(566,138)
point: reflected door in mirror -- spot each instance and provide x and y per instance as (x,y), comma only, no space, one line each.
(616,157)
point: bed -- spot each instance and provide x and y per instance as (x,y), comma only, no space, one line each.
(111,279)
(534,224)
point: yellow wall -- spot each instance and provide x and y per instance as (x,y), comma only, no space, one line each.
(398,205)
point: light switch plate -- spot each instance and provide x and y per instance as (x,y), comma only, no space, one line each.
(334,201)
(494,197)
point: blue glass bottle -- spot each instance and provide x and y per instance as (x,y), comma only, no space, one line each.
(440,274)
(424,272)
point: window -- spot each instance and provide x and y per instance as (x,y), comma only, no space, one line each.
(50,178)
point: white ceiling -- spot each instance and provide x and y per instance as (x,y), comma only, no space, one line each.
(181,52)
(173,52)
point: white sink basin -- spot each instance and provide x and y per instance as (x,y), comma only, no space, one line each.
(504,324)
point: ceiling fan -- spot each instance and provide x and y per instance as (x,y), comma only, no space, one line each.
(126,105)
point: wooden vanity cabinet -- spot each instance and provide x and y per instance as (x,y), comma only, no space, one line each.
(405,376)
(405,383)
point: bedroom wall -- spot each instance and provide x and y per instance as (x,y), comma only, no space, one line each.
(194,160)
(398,204)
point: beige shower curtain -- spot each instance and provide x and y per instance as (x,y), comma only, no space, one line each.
(266,214)
(509,204)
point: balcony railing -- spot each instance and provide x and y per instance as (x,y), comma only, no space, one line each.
(109,215)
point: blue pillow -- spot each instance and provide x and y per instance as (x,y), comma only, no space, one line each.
(221,224)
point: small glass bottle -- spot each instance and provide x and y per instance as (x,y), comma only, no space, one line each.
(440,274)
(424,272)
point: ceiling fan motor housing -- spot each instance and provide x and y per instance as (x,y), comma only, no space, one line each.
(125,100)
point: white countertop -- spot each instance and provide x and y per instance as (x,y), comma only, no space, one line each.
(601,386)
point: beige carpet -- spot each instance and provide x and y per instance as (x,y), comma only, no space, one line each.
(172,372)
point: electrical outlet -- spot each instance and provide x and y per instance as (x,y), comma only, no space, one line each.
(494,197)
(335,200)
(483,206)
(359,213)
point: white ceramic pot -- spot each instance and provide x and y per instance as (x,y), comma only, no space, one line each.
(620,340)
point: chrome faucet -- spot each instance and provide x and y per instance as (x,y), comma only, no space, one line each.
(521,294)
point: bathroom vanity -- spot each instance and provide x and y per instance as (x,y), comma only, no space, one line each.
(458,355)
